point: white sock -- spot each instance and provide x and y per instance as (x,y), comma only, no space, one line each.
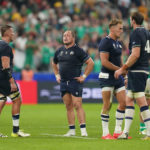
(129,113)
(105,122)
(15,119)
(83,127)
(145,113)
(119,119)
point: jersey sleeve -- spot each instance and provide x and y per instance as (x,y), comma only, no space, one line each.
(104,46)
(136,40)
(6,51)
(83,56)
(55,59)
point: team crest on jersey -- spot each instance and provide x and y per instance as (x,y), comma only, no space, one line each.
(133,43)
(72,53)
(114,45)
(120,46)
(61,53)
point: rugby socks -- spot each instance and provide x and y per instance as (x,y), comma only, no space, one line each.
(15,119)
(119,119)
(142,126)
(105,122)
(83,127)
(129,113)
(72,128)
(145,113)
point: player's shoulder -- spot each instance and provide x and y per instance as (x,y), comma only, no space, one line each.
(139,30)
(3,44)
(106,39)
(60,49)
(77,47)
(105,42)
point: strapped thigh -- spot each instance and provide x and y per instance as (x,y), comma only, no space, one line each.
(120,89)
(14,95)
(111,89)
(3,97)
(135,95)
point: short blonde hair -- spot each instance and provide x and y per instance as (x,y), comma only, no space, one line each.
(114,22)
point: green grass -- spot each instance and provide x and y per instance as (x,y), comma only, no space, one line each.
(46,120)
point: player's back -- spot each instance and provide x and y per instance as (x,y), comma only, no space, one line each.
(140,38)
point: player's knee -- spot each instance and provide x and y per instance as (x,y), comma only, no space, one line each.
(77,105)
(69,106)
(17,100)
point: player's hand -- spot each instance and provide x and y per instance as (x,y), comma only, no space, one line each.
(120,72)
(58,78)
(80,79)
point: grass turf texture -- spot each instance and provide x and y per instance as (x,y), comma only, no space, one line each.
(47,122)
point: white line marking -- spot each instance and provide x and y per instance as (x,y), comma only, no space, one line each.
(78,137)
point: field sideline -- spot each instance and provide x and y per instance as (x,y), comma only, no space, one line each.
(47,123)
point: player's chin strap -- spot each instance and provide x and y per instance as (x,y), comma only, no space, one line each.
(7,72)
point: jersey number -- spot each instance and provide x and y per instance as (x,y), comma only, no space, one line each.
(147,47)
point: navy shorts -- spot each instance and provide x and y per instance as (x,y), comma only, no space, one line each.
(137,81)
(112,82)
(72,86)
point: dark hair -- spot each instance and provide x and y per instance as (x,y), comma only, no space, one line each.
(114,22)
(137,17)
(4,28)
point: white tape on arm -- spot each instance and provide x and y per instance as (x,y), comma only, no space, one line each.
(84,76)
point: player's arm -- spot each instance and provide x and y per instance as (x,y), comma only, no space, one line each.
(56,71)
(89,67)
(6,70)
(104,56)
(133,57)
(130,61)
(55,66)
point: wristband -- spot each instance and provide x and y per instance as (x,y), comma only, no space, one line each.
(84,76)
(126,77)
(57,76)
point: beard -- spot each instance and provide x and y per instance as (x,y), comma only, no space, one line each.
(67,43)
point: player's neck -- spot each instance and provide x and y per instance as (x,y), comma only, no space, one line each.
(6,39)
(112,36)
(70,45)
(136,26)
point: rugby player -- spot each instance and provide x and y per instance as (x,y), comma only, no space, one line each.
(8,86)
(110,49)
(137,66)
(67,64)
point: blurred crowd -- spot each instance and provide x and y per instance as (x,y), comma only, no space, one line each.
(39,25)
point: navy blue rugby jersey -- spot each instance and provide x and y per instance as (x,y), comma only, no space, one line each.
(70,61)
(114,48)
(6,50)
(140,37)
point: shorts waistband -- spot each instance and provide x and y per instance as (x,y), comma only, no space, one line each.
(68,80)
